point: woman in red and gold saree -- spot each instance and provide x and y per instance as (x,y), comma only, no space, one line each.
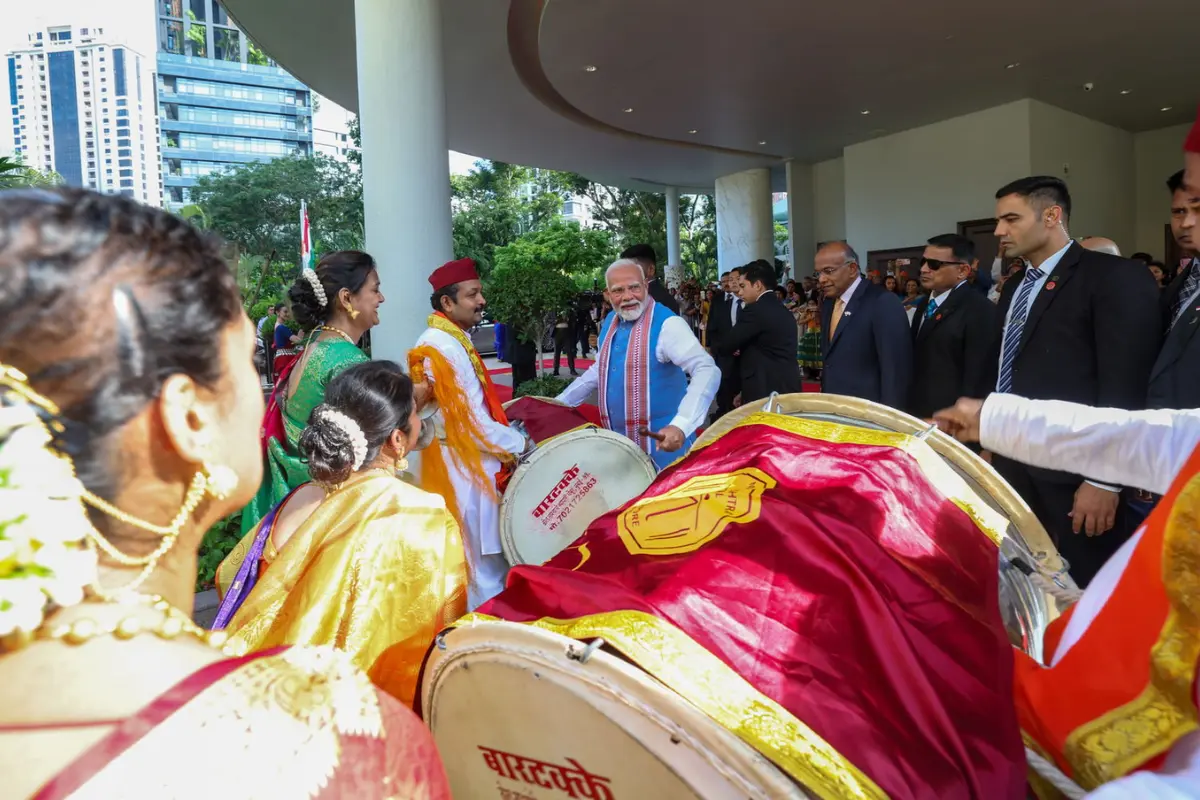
(295,723)
(124,436)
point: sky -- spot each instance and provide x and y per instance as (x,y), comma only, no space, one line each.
(132,21)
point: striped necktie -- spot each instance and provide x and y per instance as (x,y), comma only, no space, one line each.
(1190,284)
(1016,324)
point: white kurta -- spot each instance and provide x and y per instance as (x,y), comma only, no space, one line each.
(479,512)
(1143,449)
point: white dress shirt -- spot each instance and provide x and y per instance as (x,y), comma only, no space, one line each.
(939,299)
(846,295)
(676,345)
(1145,449)
(734,300)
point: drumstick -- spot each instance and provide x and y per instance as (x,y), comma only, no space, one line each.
(658,437)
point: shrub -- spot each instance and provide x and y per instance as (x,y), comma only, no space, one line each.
(217,543)
(544,386)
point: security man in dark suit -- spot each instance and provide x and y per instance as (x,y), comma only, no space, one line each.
(865,338)
(1075,325)
(721,318)
(765,338)
(1175,377)
(952,329)
(644,254)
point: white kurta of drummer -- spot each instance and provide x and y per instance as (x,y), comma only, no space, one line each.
(479,512)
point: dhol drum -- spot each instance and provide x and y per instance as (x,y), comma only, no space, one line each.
(614,700)
(1029,604)
(570,478)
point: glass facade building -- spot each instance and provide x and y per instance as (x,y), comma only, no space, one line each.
(221,101)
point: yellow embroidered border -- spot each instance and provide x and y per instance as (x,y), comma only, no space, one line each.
(990,521)
(675,659)
(1126,737)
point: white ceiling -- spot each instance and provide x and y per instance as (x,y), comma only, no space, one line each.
(796,75)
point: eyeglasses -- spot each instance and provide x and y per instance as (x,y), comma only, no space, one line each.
(621,291)
(934,264)
(830,271)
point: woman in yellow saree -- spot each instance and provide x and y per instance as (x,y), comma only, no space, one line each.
(357,559)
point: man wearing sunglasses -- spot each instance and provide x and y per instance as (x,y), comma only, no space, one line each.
(952,329)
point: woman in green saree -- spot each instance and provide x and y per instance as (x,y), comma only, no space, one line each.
(339,302)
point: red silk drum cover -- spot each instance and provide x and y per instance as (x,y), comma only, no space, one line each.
(544,420)
(844,578)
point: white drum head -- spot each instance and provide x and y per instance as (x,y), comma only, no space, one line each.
(563,486)
(521,712)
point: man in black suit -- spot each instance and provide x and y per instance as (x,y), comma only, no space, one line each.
(865,339)
(644,254)
(765,338)
(1175,377)
(1076,325)
(722,316)
(952,329)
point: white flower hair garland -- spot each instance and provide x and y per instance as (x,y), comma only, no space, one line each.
(44,555)
(358,441)
(315,282)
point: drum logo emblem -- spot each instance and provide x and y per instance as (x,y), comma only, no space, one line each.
(694,513)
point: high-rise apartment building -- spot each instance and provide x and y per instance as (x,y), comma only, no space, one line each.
(222,102)
(83,106)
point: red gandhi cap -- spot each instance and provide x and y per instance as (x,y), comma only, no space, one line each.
(453,272)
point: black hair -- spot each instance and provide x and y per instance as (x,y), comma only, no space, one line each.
(102,300)
(450,291)
(962,247)
(1175,182)
(343,269)
(779,290)
(724,274)
(1042,191)
(378,396)
(1159,264)
(760,272)
(640,252)
(1140,256)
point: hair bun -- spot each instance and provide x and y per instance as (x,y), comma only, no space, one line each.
(327,448)
(307,308)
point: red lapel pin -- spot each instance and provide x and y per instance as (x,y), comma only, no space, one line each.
(1050,286)
(937,316)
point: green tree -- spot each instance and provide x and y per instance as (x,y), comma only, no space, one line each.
(698,237)
(197,36)
(257,205)
(564,247)
(15,175)
(496,203)
(632,217)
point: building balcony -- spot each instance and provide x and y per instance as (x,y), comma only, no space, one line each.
(219,156)
(178,180)
(228,71)
(220,129)
(228,103)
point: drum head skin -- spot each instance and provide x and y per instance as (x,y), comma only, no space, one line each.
(563,486)
(1027,609)
(519,712)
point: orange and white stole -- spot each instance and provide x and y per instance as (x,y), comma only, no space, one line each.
(464,439)
(1123,694)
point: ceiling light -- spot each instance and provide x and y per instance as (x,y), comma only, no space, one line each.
(865,111)
(1126,91)
(1165,108)
(762,141)
(589,68)
(1013,65)
(628,110)
(693,130)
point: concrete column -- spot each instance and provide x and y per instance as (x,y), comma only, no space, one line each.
(745,230)
(673,256)
(406,177)
(801,200)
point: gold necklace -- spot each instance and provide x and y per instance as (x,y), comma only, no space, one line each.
(174,623)
(338,331)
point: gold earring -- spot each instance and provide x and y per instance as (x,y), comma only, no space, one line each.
(401,464)
(219,480)
(351,310)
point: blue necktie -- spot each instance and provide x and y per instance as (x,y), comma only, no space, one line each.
(930,309)
(1190,284)
(1016,324)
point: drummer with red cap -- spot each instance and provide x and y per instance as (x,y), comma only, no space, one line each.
(470,460)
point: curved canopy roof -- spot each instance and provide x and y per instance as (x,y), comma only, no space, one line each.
(682,93)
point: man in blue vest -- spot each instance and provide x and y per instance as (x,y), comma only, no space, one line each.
(654,380)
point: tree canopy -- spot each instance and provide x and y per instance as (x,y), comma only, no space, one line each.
(562,247)
(15,175)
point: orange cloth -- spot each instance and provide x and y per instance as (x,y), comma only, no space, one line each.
(1123,694)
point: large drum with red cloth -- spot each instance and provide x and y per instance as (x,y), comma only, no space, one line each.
(577,472)
(810,603)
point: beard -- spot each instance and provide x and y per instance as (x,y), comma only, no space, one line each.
(633,313)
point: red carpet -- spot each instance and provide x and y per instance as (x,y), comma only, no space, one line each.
(548,363)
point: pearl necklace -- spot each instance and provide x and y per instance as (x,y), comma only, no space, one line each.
(338,331)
